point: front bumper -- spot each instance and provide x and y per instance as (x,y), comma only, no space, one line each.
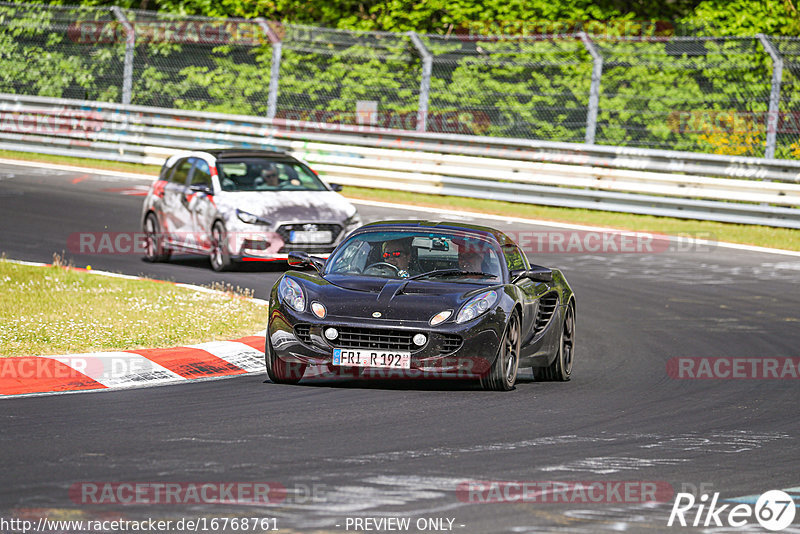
(246,243)
(298,338)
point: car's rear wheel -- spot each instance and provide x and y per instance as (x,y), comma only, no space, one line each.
(561,368)
(279,371)
(154,247)
(220,256)
(503,374)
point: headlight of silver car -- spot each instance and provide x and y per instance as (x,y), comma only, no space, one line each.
(292,294)
(353,220)
(249,218)
(477,305)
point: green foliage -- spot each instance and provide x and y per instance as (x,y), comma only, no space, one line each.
(745,17)
(650,91)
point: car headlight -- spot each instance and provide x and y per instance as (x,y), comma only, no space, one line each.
(292,294)
(477,305)
(440,317)
(353,220)
(249,218)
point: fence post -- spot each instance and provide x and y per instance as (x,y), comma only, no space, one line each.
(774,95)
(275,70)
(425,83)
(130,45)
(594,89)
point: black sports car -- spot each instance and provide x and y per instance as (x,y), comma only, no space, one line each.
(422,299)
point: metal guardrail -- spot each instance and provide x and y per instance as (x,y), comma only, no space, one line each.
(653,182)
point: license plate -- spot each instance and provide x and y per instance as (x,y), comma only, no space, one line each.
(320,236)
(397,359)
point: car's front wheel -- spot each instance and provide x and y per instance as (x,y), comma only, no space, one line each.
(154,247)
(279,371)
(220,255)
(561,368)
(503,374)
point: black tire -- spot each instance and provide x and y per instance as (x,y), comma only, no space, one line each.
(154,248)
(561,368)
(220,256)
(278,370)
(503,374)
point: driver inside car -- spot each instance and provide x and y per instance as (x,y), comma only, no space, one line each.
(269,177)
(398,253)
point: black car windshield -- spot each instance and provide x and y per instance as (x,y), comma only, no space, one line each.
(417,254)
(260,174)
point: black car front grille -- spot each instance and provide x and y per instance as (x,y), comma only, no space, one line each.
(388,339)
(285,231)
(547,307)
(450,343)
(303,333)
(374,338)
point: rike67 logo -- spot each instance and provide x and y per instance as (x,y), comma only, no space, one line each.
(774,510)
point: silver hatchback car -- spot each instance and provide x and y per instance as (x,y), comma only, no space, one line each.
(242,205)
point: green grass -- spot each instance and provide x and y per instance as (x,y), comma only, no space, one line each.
(82,162)
(54,310)
(763,236)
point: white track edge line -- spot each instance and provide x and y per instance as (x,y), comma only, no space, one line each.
(536,222)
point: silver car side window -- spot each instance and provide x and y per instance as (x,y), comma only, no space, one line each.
(181,172)
(202,174)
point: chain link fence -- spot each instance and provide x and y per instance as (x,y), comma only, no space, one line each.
(42,52)
(788,128)
(735,95)
(525,88)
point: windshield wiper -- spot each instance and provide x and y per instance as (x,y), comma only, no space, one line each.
(452,272)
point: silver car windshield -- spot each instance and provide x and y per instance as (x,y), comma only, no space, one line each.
(255,174)
(392,254)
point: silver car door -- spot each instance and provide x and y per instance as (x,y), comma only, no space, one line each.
(201,204)
(176,214)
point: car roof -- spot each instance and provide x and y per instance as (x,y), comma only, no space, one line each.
(222,154)
(474,229)
(231,153)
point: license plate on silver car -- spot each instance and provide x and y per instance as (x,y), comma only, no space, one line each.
(396,359)
(320,236)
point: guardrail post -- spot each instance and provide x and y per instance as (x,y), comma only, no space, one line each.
(774,95)
(425,83)
(594,89)
(130,45)
(275,70)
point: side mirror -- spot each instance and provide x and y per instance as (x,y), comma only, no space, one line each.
(540,274)
(336,187)
(516,274)
(535,273)
(301,260)
(201,188)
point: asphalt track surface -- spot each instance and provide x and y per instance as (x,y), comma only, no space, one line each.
(401,448)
